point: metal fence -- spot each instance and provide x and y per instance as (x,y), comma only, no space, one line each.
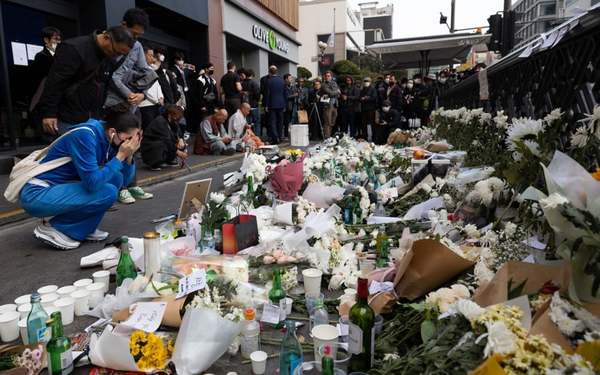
(541,75)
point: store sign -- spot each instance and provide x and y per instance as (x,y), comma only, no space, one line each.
(269,38)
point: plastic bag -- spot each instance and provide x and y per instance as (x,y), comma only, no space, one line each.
(197,349)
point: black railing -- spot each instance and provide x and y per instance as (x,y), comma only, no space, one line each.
(565,76)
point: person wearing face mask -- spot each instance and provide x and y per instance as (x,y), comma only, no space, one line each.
(394,93)
(75,89)
(408,100)
(167,80)
(163,140)
(368,105)
(206,93)
(387,119)
(154,98)
(77,194)
(349,107)
(40,66)
(381,86)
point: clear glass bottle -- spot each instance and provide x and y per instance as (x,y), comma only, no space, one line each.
(60,357)
(382,244)
(37,330)
(319,315)
(380,209)
(250,333)
(290,356)
(126,268)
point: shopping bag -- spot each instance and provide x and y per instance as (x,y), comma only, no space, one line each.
(302,116)
(239,233)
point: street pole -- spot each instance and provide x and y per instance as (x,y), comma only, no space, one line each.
(452,15)
(507,5)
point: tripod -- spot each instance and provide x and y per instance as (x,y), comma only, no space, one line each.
(314,108)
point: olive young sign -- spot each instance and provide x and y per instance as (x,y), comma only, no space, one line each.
(269,37)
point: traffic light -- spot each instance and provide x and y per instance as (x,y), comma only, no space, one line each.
(508,32)
(495,22)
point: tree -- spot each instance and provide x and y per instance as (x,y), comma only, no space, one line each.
(304,73)
(345,68)
(369,63)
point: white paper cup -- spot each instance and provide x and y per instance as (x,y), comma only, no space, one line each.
(66,306)
(81,302)
(102,277)
(23,331)
(312,282)
(324,334)
(22,300)
(288,305)
(50,310)
(7,308)
(9,326)
(259,362)
(24,310)
(48,289)
(83,283)
(66,291)
(49,299)
(96,294)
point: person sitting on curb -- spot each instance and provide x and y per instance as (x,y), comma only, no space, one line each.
(163,142)
(213,138)
(77,194)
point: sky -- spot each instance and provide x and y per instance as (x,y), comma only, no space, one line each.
(421,17)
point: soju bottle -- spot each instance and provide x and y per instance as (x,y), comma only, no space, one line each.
(382,243)
(60,358)
(291,350)
(276,294)
(250,181)
(37,331)
(327,364)
(126,267)
(361,338)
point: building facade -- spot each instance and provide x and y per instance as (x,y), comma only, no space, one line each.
(535,17)
(376,21)
(320,19)
(252,33)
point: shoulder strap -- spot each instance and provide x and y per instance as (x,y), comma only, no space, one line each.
(47,149)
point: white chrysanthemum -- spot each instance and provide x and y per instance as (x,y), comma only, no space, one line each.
(522,128)
(471,231)
(218,198)
(501,120)
(533,147)
(469,309)
(482,273)
(553,201)
(500,340)
(553,116)
(460,291)
(581,137)
(390,357)
(593,121)
(510,229)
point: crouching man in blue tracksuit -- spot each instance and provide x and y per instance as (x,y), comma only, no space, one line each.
(77,194)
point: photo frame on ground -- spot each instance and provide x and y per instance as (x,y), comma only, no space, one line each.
(194,190)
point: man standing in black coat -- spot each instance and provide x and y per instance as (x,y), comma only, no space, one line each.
(368,106)
(275,102)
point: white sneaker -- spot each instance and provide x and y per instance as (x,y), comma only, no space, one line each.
(125,197)
(54,238)
(97,236)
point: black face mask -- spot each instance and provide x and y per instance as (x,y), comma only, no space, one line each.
(211,72)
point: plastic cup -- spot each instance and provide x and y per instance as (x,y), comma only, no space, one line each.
(9,326)
(23,331)
(22,300)
(311,302)
(7,308)
(81,298)
(66,291)
(48,289)
(259,362)
(49,299)
(66,306)
(24,310)
(378,326)
(288,302)
(324,334)
(312,282)
(83,283)
(343,328)
(96,294)
(102,277)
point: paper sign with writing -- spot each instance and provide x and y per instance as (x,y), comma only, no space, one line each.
(147,316)
(271,314)
(192,283)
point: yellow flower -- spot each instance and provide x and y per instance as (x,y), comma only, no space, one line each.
(596,174)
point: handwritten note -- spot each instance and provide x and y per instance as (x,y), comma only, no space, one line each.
(271,314)
(195,281)
(147,316)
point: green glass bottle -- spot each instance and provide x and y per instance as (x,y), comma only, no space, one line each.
(327,364)
(60,357)
(37,330)
(361,338)
(126,267)
(382,244)
(276,294)
(291,350)
(250,181)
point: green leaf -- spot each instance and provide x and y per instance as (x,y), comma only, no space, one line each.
(418,306)
(427,330)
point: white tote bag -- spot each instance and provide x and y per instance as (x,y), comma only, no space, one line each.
(31,166)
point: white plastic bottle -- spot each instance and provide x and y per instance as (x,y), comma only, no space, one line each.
(250,333)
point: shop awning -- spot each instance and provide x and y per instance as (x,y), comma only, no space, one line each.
(424,52)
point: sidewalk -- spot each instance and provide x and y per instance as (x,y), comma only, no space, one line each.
(10,213)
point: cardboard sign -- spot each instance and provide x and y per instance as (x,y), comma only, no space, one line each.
(147,316)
